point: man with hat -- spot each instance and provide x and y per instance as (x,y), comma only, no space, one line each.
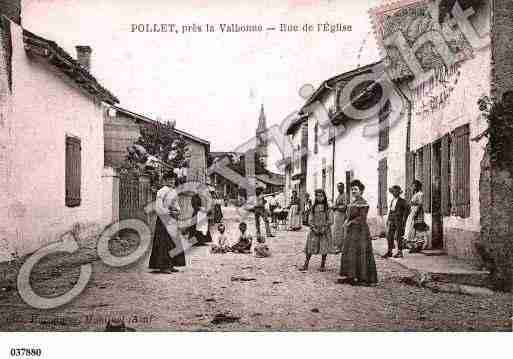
(396,220)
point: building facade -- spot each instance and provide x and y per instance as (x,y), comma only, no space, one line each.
(52,142)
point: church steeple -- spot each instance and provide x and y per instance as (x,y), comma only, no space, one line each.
(261,137)
(262,126)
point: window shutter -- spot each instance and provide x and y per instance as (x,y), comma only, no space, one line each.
(410,174)
(316,138)
(445,174)
(382,186)
(419,168)
(73,172)
(383,138)
(462,171)
(426,184)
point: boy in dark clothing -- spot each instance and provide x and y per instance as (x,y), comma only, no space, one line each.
(245,240)
(396,221)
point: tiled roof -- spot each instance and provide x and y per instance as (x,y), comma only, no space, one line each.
(148,120)
(39,46)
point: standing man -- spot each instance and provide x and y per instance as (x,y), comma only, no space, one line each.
(273,205)
(395,222)
(260,212)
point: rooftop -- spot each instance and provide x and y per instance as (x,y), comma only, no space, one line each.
(55,55)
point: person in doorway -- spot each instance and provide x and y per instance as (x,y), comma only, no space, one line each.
(261,213)
(319,240)
(357,265)
(339,217)
(294,214)
(396,221)
(243,245)
(166,236)
(415,232)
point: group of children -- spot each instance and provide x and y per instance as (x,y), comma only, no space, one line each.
(243,244)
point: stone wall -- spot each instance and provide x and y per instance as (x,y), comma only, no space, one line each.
(496,185)
(502,27)
(198,161)
(120,132)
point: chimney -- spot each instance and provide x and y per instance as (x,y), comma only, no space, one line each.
(84,56)
(11,9)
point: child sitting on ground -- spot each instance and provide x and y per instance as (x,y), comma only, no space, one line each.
(245,240)
(221,246)
(262,250)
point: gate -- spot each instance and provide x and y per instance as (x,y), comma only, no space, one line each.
(134,194)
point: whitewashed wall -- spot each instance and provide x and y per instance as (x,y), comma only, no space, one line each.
(45,108)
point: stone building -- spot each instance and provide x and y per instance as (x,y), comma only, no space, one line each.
(122,128)
(467,200)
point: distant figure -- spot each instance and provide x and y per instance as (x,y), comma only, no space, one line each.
(221,245)
(166,235)
(307,206)
(395,222)
(261,249)
(357,266)
(261,213)
(243,245)
(339,217)
(217,212)
(294,213)
(273,205)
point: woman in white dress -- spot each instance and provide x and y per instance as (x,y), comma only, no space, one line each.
(294,214)
(415,232)
(166,235)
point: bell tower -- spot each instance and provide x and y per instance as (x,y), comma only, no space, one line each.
(261,138)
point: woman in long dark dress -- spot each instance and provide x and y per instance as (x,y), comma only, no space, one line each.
(166,237)
(217,215)
(357,265)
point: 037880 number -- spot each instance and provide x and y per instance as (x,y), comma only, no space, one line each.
(25,352)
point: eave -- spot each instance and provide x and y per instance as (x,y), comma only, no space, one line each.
(57,57)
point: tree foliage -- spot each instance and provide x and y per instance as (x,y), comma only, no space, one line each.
(500,130)
(158,150)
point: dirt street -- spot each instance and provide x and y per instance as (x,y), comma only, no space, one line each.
(226,292)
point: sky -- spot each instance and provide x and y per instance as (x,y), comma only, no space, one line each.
(212,84)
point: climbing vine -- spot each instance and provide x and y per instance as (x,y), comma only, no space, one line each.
(500,130)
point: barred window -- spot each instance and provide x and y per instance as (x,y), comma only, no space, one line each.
(73,171)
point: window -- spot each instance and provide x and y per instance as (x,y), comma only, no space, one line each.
(382,187)
(460,172)
(73,171)
(426,176)
(316,137)
(384,127)
(315,180)
(445,171)
(410,173)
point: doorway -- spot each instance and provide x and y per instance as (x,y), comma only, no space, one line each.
(436,197)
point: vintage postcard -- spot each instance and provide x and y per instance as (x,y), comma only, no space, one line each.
(230,166)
